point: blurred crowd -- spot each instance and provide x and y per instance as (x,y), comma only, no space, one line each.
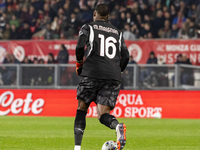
(157,75)
(62,19)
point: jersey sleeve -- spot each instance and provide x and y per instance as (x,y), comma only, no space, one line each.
(83,38)
(124,55)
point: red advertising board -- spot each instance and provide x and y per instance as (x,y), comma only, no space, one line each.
(130,104)
(39,49)
(168,50)
(165,49)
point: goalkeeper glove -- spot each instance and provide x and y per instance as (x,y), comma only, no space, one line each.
(79,65)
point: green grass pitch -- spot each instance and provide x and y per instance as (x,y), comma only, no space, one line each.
(56,133)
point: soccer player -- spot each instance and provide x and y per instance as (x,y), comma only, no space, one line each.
(106,57)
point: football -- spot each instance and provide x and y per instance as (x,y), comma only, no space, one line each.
(109,145)
(157,115)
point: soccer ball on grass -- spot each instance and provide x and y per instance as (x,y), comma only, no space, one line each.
(109,145)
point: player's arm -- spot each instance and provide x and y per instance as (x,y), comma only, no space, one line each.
(124,55)
(80,47)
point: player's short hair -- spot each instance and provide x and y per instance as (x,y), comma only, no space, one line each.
(102,9)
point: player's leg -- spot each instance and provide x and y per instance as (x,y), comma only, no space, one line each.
(80,123)
(111,122)
(86,93)
(106,100)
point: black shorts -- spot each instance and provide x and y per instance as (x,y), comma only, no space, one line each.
(100,91)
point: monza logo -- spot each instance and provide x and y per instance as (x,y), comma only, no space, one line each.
(19,53)
(136,51)
(10,105)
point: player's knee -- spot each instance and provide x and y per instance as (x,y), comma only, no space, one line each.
(82,109)
(102,109)
(82,106)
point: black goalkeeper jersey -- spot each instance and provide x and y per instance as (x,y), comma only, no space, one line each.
(106,53)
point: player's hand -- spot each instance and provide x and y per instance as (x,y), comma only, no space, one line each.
(79,67)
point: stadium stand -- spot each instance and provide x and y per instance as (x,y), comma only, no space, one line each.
(61,19)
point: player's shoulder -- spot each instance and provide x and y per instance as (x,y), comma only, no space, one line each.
(85,26)
(84,29)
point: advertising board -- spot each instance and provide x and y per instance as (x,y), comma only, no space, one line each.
(130,104)
(167,50)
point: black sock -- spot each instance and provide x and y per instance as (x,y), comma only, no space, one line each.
(109,120)
(79,126)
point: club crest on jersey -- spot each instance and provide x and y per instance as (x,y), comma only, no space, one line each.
(95,27)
